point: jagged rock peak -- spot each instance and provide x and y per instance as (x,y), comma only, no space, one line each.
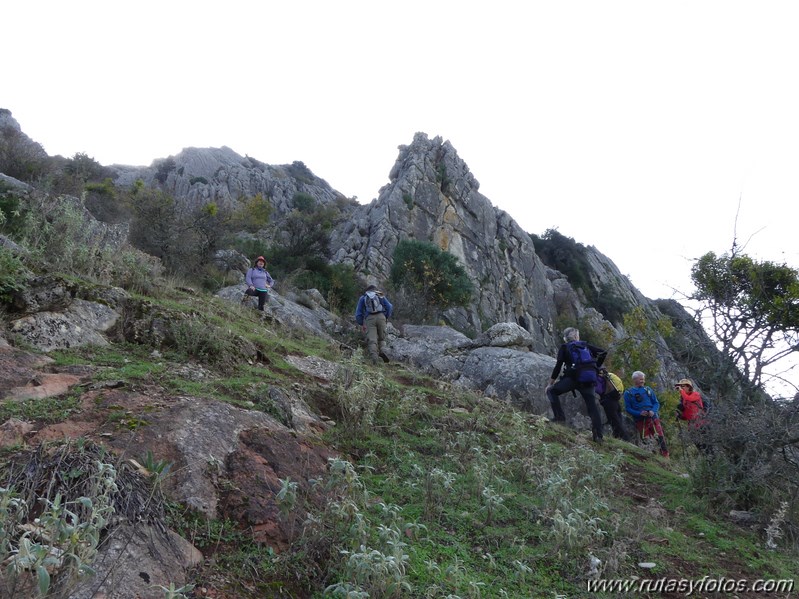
(424,153)
(432,196)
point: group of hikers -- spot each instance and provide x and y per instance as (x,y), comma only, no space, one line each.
(372,311)
(579,368)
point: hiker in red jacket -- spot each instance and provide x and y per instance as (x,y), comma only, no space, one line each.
(692,409)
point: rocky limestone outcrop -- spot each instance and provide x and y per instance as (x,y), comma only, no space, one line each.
(497,364)
(197,176)
(57,313)
(308,315)
(432,196)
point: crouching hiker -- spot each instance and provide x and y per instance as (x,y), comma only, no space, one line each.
(371,313)
(609,389)
(642,404)
(580,362)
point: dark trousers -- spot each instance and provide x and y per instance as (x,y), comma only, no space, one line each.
(263,296)
(610,403)
(567,384)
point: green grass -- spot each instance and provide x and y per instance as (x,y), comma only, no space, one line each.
(48,410)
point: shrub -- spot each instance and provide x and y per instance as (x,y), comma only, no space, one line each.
(432,275)
(12,210)
(12,275)
(299,171)
(165,167)
(336,282)
(49,542)
(252,215)
(105,204)
(209,344)
(571,258)
(304,202)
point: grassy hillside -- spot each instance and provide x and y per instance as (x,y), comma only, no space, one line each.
(433,491)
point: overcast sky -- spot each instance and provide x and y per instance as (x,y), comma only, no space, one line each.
(634,126)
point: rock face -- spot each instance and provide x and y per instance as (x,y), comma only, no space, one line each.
(18,152)
(308,316)
(433,197)
(58,313)
(498,364)
(198,176)
(136,562)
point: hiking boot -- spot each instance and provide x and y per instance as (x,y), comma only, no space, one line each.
(383,357)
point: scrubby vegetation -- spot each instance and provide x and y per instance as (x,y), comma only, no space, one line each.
(569,257)
(429,280)
(438,492)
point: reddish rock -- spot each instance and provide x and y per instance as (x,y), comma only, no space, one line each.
(43,385)
(263,458)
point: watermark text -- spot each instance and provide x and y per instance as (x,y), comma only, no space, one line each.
(689,586)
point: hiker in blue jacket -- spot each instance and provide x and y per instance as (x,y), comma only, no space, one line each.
(642,404)
(578,374)
(372,313)
(259,282)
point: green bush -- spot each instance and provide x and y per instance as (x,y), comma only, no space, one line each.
(253,214)
(423,270)
(12,275)
(12,210)
(165,167)
(304,202)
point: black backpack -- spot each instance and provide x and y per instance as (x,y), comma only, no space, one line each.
(583,363)
(372,303)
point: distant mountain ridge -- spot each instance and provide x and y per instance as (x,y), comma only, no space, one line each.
(201,175)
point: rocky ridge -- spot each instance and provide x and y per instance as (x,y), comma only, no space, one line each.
(198,176)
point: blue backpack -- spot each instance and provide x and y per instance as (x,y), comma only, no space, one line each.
(583,363)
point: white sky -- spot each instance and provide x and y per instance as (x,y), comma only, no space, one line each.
(632,126)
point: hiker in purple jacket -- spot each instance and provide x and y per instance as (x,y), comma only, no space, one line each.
(259,282)
(570,380)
